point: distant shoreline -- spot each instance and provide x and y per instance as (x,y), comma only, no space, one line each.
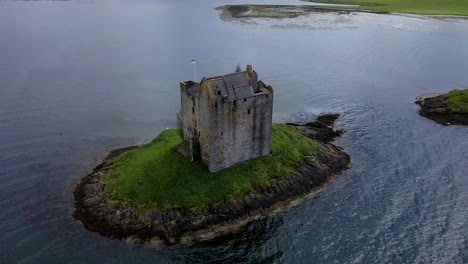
(230,12)
(99,213)
(424,8)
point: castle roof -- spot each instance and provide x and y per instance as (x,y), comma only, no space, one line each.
(234,86)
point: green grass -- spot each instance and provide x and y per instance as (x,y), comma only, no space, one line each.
(457,99)
(155,176)
(429,7)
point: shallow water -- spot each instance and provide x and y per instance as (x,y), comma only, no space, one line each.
(80,78)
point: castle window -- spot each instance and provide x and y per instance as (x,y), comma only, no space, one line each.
(221,133)
(245,99)
(216,105)
(193,110)
(234,102)
(267,95)
(219,92)
(193,101)
(248,111)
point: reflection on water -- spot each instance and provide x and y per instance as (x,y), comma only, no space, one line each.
(232,248)
(80,78)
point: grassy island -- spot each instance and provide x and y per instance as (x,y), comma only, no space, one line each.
(151,191)
(426,7)
(423,7)
(156,176)
(446,109)
(457,99)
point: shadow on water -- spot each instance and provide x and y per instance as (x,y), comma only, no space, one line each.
(245,246)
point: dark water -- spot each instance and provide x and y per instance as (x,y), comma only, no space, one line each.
(80,78)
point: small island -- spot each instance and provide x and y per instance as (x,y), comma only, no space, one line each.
(229,12)
(435,8)
(226,165)
(446,109)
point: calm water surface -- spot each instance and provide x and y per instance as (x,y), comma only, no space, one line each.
(80,78)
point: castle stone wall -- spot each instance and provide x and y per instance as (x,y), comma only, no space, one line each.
(239,130)
(229,130)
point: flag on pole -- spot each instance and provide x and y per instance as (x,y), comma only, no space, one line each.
(194,68)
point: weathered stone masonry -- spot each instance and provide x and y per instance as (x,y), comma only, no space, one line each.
(226,119)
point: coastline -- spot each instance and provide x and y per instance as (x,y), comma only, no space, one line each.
(100,214)
(246,11)
(229,12)
(426,16)
(433,106)
(426,8)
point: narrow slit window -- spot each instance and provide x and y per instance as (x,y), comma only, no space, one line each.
(245,99)
(219,92)
(193,110)
(267,95)
(221,133)
(216,105)
(248,111)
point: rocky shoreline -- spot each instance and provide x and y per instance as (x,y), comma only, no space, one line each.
(281,11)
(99,213)
(434,107)
(239,12)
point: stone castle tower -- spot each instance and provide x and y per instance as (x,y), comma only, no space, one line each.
(226,119)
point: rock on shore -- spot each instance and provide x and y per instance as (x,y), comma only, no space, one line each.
(435,107)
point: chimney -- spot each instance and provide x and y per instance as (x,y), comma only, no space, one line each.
(249,70)
(253,78)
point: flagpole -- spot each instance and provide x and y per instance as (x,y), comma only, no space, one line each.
(195,70)
(194,62)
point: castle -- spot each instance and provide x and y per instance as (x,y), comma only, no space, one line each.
(226,119)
